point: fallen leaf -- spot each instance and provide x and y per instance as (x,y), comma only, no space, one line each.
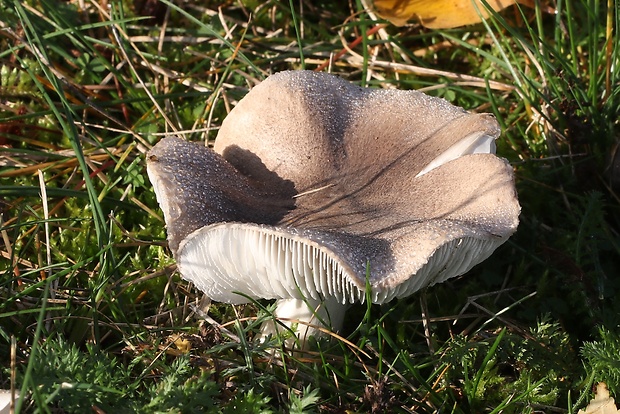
(183,345)
(602,402)
(437,14)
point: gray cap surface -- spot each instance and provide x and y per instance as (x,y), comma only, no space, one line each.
(311,179)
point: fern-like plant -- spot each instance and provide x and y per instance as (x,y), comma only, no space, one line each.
(602,359)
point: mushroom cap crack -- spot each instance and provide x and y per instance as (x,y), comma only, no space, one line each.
(313,180)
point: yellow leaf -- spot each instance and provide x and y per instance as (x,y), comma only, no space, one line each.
(437,14)
(183,345)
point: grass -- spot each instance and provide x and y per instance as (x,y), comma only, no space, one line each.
(93,316)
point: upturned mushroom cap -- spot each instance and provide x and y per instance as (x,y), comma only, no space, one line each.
(312,179)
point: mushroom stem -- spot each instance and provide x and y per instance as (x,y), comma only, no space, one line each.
(305,317)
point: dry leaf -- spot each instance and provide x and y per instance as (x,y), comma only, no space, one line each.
(437,14)
(183,345)
(602,402)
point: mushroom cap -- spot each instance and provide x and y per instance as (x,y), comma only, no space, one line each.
(313,180)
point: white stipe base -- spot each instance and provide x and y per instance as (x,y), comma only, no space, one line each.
(305,318)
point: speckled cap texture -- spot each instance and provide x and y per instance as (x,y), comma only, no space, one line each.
(316,186)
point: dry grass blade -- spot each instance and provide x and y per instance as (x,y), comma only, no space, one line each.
(403,68)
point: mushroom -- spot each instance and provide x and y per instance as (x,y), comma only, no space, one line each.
(312,181)
(7,401)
